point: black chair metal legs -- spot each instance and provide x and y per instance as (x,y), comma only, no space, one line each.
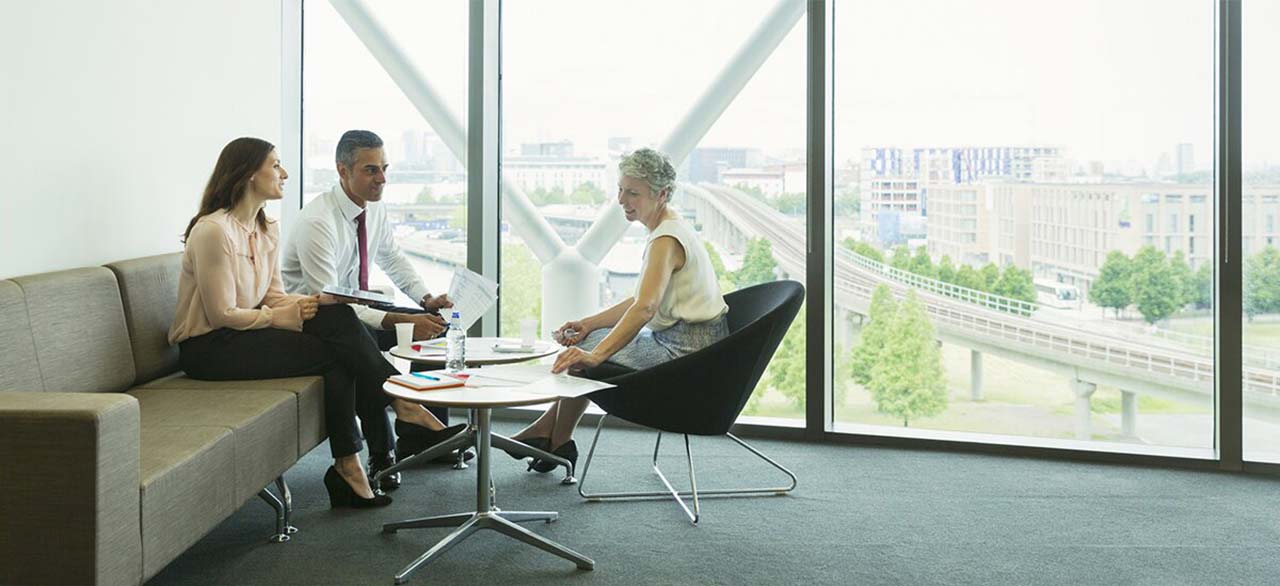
(695,514)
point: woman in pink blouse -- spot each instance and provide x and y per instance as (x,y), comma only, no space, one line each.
(234,320)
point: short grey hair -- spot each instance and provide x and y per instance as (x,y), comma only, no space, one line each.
(352,141)
(652,167)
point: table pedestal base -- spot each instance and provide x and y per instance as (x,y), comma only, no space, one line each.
(486,516)
(503,522)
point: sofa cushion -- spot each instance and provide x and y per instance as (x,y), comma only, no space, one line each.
(185,493)
(77,324)
(309,390)
(18,369)
(149,294)
(264,426)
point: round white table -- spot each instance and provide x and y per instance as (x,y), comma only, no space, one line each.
(480,401)
(480,351)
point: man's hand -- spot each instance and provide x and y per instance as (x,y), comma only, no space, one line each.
(430,303)
(425,326)
(327,299)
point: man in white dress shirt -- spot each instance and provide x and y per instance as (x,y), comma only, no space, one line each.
(341,233)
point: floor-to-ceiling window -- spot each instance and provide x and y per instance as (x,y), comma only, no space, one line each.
(1024,213)
(398,68)
(1260,246)
(1023,194)
(719,86)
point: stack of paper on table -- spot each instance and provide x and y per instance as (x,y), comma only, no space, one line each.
(421,381)
(532,378)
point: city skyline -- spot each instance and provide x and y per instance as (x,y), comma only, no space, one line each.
(1133,84)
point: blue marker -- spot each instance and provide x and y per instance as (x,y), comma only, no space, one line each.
(426,376)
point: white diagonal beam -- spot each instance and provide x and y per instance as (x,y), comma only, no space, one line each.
(610,225)
(523,217)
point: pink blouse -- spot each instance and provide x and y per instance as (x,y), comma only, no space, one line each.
(231,279)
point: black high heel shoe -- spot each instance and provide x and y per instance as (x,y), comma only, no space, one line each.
(567,450)
(540,443)
(415,438)
(342,495)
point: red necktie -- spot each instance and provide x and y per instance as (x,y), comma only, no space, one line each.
(362,242)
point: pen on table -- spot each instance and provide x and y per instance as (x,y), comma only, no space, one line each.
(426,376)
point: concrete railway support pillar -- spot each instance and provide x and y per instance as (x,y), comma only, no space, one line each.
(975,375)
(1128,413)
(844,328)
(1083,392)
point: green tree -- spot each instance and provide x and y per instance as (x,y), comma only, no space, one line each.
(520,295)
(1016,283)
(1203,287)
(1183,276)
(1262,283)
(424,196)
(946,270)
(921,264)
(989,274)
(587,194)
(723,276)
(540,196)
(757,265)
(786,372)
(901,258)
(908,381)
(790,203)
(1114,286)
(968,277)
(848,202)
(864,249)
(1156,291)
(754,191)
(874,336)
(458,219)
(557,195)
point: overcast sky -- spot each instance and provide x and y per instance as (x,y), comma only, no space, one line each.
(1110,80)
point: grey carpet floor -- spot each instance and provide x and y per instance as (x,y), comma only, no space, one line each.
(860,516)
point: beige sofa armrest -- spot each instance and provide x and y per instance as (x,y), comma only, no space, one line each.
(69,489)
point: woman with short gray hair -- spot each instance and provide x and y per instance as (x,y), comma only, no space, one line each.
(677,307)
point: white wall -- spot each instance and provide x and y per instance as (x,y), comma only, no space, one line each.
(112,114)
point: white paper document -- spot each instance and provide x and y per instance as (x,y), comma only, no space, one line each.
(532,378)
(563,385)
(472,295)
(511,374)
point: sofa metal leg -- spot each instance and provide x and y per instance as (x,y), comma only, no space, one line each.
(283,508)
(694,515)
(287,497)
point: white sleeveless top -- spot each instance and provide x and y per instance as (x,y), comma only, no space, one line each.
(693,293)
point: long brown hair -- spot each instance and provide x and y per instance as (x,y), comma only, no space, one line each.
(236,165)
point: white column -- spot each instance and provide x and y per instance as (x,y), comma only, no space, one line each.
(1083,391)
(1128,413)
(975,375)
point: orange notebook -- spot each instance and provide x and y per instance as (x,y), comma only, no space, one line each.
(427,381)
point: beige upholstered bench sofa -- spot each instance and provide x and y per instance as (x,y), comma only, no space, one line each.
(112,463)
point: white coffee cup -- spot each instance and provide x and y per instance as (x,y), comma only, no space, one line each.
(404,335)
(528,332)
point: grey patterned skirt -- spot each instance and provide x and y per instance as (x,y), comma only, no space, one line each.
(650,348)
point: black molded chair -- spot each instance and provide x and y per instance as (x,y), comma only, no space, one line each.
(701,393)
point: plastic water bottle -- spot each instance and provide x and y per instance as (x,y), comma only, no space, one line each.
(456,353)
